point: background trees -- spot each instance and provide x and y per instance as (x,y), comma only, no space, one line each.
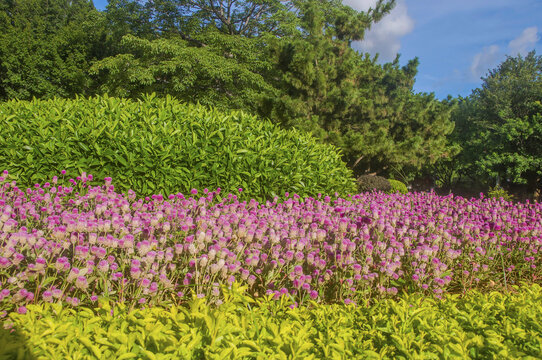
(47,46)
(288,61)
(499,127)
(509,121)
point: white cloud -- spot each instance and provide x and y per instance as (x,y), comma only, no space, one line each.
(360,5)
(525,42)
(485,60)
(490,56)
(385,36)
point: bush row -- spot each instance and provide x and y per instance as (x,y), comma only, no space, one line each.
(479,325)
(159,145)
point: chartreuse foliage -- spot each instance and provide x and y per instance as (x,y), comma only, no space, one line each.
(478,325)
(160,145)
(398,187)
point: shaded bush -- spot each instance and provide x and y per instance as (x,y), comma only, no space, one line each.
(373,182)
(160,145)
(398,187)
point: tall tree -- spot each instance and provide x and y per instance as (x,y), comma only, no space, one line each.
(508,121)
(47,46)
(369,110)
(226,73)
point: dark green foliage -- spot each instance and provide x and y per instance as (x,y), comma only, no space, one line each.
(46,47)
(368,110)
(163,146)
(373,182)
(398,187)
(189,73)
(499,127)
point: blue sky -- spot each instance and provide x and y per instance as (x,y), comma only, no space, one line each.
(456,41)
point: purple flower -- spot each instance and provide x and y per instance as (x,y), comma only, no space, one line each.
(81,283)
(47,296)
(348,301)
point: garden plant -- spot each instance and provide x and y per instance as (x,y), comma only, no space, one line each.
(77,245)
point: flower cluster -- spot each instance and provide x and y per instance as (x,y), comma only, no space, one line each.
(77,243)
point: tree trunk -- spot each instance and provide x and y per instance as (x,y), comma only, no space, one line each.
(535,187)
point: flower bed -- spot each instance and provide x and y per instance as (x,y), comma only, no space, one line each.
(76,243)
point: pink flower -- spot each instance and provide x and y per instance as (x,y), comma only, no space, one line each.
(81,283)
(135,272)
(103,266)
(47,296)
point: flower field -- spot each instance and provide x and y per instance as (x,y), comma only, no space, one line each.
(77,244)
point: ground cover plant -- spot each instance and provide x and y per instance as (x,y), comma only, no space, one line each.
(160,145)
(479,325)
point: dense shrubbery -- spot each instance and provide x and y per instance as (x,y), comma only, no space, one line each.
(373,182)
(163,146)
(398,187)
(479,325)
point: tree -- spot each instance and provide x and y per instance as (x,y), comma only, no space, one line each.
(369,110)
(226,73)
(502,123)
(46,47)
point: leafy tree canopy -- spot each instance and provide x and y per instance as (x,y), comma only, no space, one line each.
(499,126)
(288,61)
(47,46)
(509,117)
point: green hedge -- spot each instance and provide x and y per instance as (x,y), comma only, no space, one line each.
(398,187)
(480,325)
(159,145)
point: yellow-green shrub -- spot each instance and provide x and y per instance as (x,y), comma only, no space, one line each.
(479,325)
(398,187)
(159,145)
(498,192)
